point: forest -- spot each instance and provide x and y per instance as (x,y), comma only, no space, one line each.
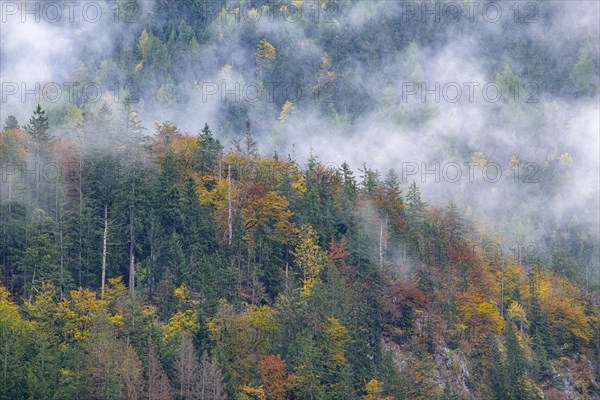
(168,243)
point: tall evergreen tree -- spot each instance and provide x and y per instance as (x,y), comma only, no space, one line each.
(209,152)
(10,123)
(42,148)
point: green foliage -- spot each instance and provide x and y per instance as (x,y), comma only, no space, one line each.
(310,288)
(584,75)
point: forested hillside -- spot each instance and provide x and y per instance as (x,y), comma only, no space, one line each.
(167,267)
(179,238)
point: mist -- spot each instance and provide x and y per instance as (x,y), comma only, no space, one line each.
(529,154)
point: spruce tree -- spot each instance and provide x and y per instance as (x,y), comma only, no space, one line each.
(10,123)
(209,151)
(41,149)
(38,131)
(515,367)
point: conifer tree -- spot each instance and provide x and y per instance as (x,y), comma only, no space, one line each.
(41,147)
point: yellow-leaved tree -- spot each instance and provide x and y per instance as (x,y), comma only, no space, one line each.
(11,321)
(338,336)
(517,314)
(286,110)
(310,258)
(373,388)
(479,315)
(84,310)
(570,319)
(243,339)
(265,55)
(185,320)
(81,312)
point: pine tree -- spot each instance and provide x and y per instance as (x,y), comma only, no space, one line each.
(310,371)
(250,148)
(584,77)
(348,179)
(370,179)
(414,204)
(41,146)
(561,257)
(131,165)
(209,152)
(416,210)
(498,374)
(392,182)
(515,366)
(542,342)
(40,261)
(38,131)
(453,225)
(10,123)
(167,93)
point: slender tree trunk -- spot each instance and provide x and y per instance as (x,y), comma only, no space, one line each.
(287,266)
(502,292)
(80,189)
(37,183)
(32,285)
(385,239)
(131,254)
(62,261)
(150,272)
(229,216)
(4,251)
(104,240)
(4,230)
(220,165)
(61,241)
(9,194)
(5,361)
(381,244)
(150,369)
(598,347)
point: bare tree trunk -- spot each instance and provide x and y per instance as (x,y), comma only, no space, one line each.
(6,349)
(104,240)
(61,238)
(5,244)
(9,194)
(32,285)
(150,370)
(150,271)
(37,184)
(80,188)
(229,217)
(381,244)
(220,164)
(5,251)
(4,231)
(385,239)
(287,267)
(62,261)
(502,292)
(131,254)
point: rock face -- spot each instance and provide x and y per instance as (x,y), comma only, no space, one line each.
(446,372)
(452,371)
(574,379)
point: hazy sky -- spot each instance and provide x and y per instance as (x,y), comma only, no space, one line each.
(398,127)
